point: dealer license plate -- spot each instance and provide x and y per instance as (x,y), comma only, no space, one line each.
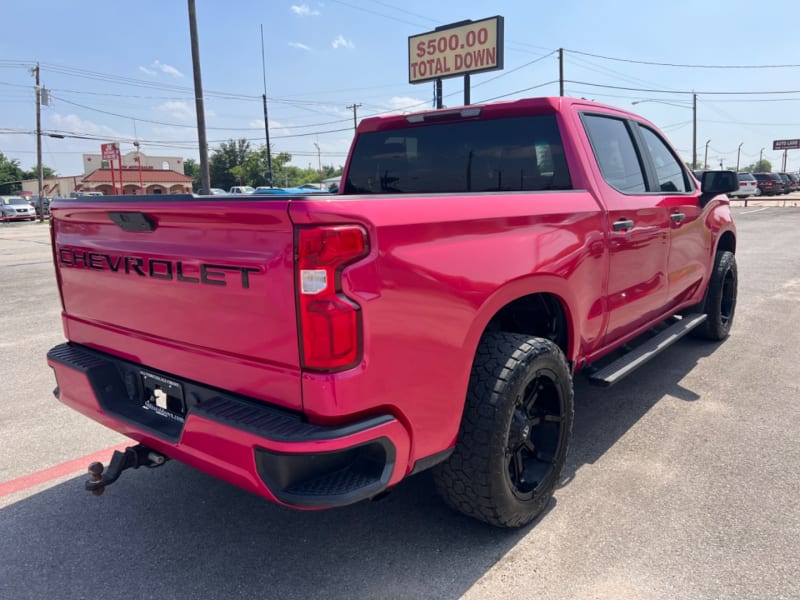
(163,396)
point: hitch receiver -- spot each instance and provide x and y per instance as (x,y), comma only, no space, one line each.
(132,458)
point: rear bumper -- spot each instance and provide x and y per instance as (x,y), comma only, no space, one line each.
(269,451)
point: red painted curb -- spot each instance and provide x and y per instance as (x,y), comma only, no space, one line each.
(75,466)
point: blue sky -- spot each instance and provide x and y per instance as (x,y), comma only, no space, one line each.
(119,73)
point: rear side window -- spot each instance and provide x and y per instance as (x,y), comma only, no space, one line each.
(670,173)
(511,154)
(615,153)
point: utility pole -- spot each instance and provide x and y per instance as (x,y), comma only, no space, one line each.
(39,173)
(738,154)
(760,159)
(694,130)
(205,175)
(560,71)
(319,162)
(354,106)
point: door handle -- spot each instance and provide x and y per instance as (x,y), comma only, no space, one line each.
(677,217)
(623,225)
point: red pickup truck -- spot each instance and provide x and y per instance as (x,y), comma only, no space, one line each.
(317,351)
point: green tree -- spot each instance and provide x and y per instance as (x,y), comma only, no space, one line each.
(230,154)
(10,174)
(191,168)
(761,166)
(47,172)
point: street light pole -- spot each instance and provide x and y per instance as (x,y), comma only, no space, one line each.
(760,158)
(705,158)
(738,154)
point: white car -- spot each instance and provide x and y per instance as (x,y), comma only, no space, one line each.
(748,186)
(16,208)
(242,189)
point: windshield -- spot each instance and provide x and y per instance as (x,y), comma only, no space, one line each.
(511,154)
(15,201)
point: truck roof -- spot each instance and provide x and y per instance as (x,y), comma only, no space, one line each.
(503,108)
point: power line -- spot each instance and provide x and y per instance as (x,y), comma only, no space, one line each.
(684,66)
(520,91)
(698,92)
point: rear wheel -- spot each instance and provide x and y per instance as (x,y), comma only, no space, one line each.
(720,300)
(514,433)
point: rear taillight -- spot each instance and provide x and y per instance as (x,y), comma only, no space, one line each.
(330,322)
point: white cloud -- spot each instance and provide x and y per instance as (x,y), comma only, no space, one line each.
(303,10)
(404,103)
(340,42)
(165,68)
(157,66)
(177,109)
(300,46)
(75,124)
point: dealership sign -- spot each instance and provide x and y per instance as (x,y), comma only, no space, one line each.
(456,49)
(109,151)
(785,144)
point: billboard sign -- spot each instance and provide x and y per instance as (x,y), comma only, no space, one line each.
(785,144)
(110,151)
(456,49)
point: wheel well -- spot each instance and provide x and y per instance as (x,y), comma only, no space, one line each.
(538,315)
(727,242)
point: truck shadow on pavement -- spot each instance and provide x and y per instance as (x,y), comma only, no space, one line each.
(604,415)
(176,533)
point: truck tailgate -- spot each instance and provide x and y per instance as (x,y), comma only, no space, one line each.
(211,278)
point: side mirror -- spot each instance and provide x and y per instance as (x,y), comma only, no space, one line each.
(714,183)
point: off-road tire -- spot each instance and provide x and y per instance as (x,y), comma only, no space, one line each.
(515,431)
(720,299)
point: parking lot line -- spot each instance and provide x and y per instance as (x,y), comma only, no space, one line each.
(75,466)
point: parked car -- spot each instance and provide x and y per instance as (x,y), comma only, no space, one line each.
(795,181)
(769,184)
(16,208)
(266,189)
(217,191)
(787,183)
(242,189)
(37,206)
(748,186)
(291,190)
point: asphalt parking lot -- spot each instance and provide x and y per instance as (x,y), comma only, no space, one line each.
(682,481)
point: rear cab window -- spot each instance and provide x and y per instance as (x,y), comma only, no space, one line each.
(520,153)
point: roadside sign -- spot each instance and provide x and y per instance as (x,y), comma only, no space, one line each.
(456,49)
(110,151)
(785,144)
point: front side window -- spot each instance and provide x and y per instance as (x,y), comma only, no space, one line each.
(508,154)
(671,176)
(615,153)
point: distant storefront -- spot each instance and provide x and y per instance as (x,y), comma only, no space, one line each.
(141,174)
(146,181)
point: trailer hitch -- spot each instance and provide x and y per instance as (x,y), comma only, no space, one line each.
(131,458)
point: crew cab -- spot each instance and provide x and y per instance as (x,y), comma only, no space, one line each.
(317,350)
